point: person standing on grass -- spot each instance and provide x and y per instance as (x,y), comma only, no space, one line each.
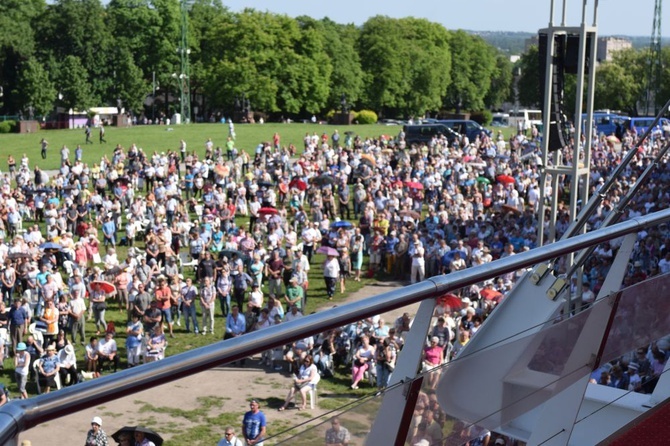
(230,439)
(18,323)
(189,294)
(44,145)
(87,131)
(164,298)
(254,425)
(331,272)
(102,133)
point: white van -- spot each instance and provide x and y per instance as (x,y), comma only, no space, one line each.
(525,115)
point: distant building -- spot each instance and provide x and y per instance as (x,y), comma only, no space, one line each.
(607,46)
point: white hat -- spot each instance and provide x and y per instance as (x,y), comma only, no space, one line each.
(97,421)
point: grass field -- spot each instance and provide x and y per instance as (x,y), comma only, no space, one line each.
(161,138)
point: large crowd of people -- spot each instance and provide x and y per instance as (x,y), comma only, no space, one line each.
(220,241)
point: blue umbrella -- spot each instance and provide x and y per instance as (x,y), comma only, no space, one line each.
(341,224)
(51,245)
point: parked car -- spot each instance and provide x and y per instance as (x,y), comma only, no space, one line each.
(466,127)
(424,133)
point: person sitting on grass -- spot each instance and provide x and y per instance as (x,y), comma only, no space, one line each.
(307,376)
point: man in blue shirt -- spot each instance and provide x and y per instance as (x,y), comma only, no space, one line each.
(236,324)
(254,424)
(109,231)
(18,323)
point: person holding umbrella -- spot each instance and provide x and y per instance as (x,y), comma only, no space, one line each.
(96,436)
(142,436)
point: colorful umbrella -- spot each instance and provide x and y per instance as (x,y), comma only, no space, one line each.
(327,250)
(341,224)
(483,180)
(297,183)
(369,159)
(105,286)
(452,301)
(18,255)
(268,211)
(51,245)
(508,208)
(505,179)
(491,294)
(414,185)
(322,180)
(222,170)
(613,139)
(409,213)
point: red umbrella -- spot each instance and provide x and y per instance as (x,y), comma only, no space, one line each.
(491,294)
(452,301)
(297,183)
(105,286)
(414,185)
(505,179)
(268,211)
(327,250)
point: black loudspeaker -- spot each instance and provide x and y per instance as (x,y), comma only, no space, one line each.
(558,124)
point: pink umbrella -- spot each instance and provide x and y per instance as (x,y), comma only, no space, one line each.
(327,250)
(414,185)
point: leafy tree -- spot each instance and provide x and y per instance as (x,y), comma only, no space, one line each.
(74,84)
(34,88)
(406,64)
(271,60)
(130,86)
(528,86)
(18,21)
(204,14)
(79,28)
(621,83)
(347,74)
(472,70)
(501,82)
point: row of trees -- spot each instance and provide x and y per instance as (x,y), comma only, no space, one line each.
(80,53)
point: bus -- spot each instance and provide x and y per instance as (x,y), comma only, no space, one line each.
(523,116)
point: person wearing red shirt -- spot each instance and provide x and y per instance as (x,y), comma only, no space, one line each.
(164,298)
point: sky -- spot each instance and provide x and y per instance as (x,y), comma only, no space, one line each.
(615,17)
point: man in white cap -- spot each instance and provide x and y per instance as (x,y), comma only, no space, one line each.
(96,436)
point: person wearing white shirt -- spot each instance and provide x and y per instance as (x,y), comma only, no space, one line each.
(418,262)
(230,439)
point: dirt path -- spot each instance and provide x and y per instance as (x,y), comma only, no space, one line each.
(208,401)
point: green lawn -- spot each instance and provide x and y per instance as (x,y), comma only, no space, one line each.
(162,138)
